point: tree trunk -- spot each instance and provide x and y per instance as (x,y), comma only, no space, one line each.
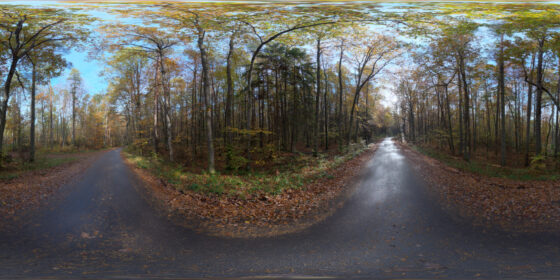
(466,117)
(461,122)
(411,124)
(207,105)
(488,120)
(193,112)
(156,121)
(557,127)
(529,108)
(229,94)
(167,106)
(74,116)
(32,129)
(501,85)
(354,102)
(317,95)
(4,108)
(326,112)
(538,101)
(339,119)
(450,125)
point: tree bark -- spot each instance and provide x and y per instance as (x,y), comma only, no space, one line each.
(449,124)
(229,94)
(167,102)
(466,117)
(32,129)
(206,93)
(326,112)
(317,95)
(4,108)
(501,85)
(340,94)
(538,101)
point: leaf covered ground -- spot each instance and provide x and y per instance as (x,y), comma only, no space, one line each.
(513,205)
(26,188)
(259,211)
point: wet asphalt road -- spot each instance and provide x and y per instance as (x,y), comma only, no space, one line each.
(389,228)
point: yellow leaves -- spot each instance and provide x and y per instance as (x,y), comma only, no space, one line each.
(250,132)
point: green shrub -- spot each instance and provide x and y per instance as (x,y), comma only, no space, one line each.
(214,185)
(295,171)
(234,160)
(195,187)
(538,162)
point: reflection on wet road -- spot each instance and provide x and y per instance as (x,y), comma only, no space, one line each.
(390,227)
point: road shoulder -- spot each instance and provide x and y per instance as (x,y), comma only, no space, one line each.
(516,206)
(31,189)
(267,215)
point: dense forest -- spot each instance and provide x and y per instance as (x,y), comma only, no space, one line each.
(496,100)
(228,86)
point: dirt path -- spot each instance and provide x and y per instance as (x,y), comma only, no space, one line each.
(388,228)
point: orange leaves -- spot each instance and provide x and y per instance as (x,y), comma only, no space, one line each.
(509,204)
(260,214)
(31,188)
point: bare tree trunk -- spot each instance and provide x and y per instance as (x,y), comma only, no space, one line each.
(167,105)
(51,125)
(488,120)
(32,129)
(556,132)
(326,112)
(450,125)
(74,116)
(501,85)
(193,111)
(529,108)
(538,102)
(411,124)
(4,108)
(317,95)
(340,93)
(461,133)
(229,94)
(156,109)
(205,94)
(466,117)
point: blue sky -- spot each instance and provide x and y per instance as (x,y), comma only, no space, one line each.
(90,68)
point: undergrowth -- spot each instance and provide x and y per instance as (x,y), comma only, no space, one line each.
(15,169)
(491,170)
(302,170)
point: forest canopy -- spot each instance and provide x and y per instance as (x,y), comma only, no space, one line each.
(231,85)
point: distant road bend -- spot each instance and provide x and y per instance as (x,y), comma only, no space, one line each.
(389,227)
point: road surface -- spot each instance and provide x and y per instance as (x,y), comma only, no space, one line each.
(389,228)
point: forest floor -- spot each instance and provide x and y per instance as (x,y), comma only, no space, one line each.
(253,204)
(509,199)
(24,186)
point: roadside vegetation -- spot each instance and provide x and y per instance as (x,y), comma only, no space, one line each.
(276,174)
(489,169)
(25,185)
(16,165)
(494,100)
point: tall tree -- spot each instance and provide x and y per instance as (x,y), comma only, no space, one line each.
(157,45)
(75,81)
(23,30)
(371,56)
(45,64)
